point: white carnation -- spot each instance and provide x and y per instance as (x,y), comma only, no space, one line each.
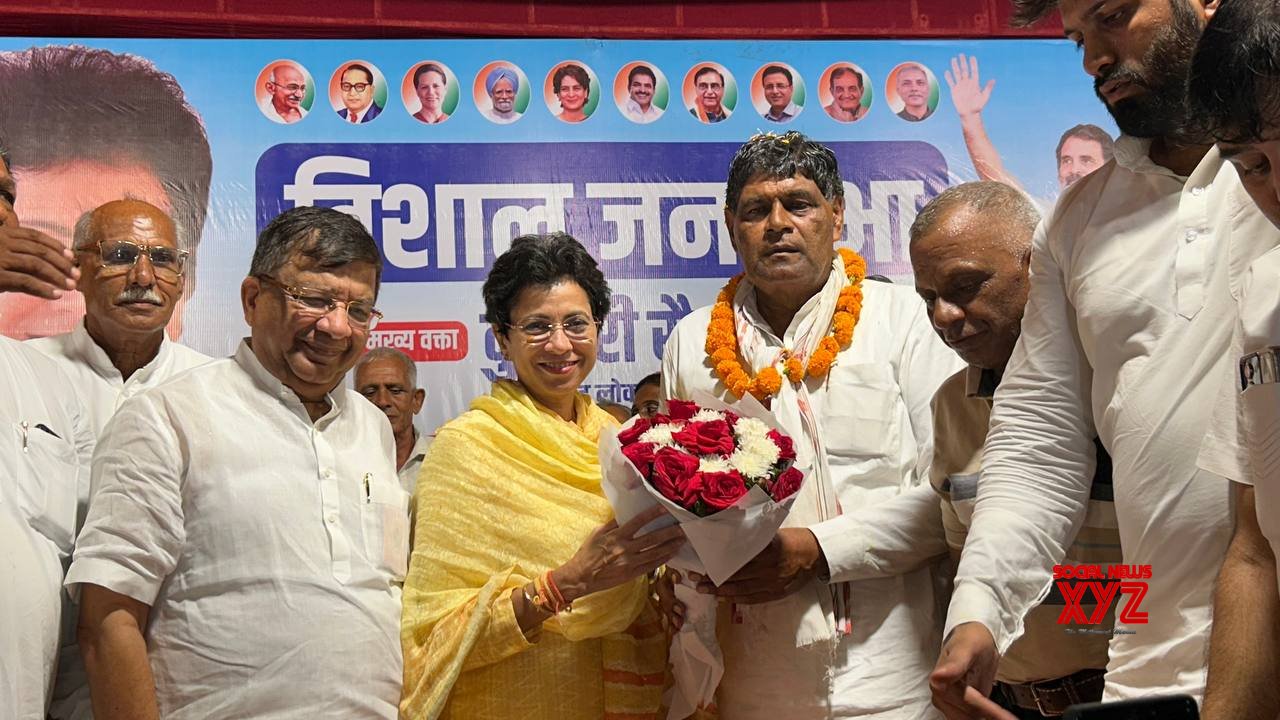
(754,459)
(750,428)
(707,415)
(713,463)
(660,435)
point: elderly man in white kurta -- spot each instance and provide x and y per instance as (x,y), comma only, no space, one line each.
(246,532)
(858,407)
(131,277)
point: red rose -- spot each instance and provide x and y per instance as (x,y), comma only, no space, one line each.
(681,409)
(640,455)
(731,418)
(633,433)
(787,484)
(706,438)
(721,489)
(786,450)
(675,475)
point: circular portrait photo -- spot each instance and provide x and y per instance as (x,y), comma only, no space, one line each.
(845,92)
(571,91)
(501,92)
(641,92)
(358,92)
(284,91)
(777,92)
(430,92)
(911,91)
(710,92)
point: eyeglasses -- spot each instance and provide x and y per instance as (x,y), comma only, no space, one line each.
(315,304)
(119,257)
(358,87)
(537,332)
(708,87)
(292,87)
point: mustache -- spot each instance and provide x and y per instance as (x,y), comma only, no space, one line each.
(1121,74)
(138,293)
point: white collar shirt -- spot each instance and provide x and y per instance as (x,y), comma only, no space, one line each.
(648,115)
(101,389)
(272,544)
(413,466)
(99,383)
(1125,337)
(875,422)
(45,446)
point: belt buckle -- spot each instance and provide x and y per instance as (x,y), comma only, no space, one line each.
(1260,368)
(1036,688)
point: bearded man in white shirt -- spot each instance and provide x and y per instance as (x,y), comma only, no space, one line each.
(44,458)
(1234,88)
(132,277)
(810,644)
(246,533)
(1125,336)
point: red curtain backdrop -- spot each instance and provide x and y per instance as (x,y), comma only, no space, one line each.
(497,18)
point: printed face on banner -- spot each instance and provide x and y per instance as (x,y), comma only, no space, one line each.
(431,88)
(1079,157)
(52,200)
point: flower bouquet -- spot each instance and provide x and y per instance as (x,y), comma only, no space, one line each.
(727,475)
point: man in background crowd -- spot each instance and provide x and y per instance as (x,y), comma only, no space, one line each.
(1235,92)
(646,399)
(1112,297)
(43,463)
(388,378)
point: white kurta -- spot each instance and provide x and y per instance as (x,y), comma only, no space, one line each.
(269,548)
(413,466)
(1125,337)
(874,417)
(45,446)
(101,389)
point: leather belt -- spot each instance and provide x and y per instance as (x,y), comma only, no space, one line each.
(1052,697)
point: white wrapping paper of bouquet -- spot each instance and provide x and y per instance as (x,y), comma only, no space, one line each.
(718,546)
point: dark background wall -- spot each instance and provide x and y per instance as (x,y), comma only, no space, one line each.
(498,18)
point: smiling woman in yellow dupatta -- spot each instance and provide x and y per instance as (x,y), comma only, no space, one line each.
(512,524)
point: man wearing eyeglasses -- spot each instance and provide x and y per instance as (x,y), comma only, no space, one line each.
(708,85)
(131,277)
(357,95)
(288,88)
(247,535)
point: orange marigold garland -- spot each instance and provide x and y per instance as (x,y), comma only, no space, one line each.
(722,339)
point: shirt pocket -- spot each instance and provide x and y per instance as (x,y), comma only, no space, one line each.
(386,525)
(46,475)
(862,413)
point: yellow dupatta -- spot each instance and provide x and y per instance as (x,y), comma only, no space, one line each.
(507,491)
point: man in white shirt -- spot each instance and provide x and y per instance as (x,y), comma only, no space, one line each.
(45,446)
(246,534)
(810,644)
(388,378)
(641,84)
(132,277)
(1125,336)
(1234,88)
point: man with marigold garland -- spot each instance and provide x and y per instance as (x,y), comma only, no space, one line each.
(848,369)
